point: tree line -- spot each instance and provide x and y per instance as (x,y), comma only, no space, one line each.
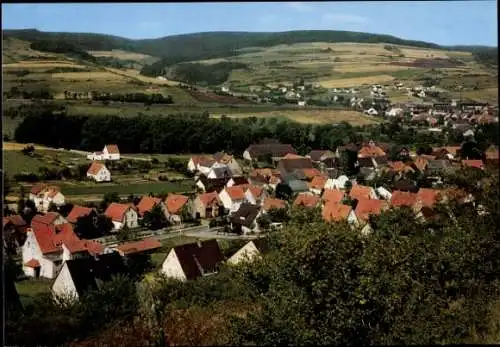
(198,133)
(148,99)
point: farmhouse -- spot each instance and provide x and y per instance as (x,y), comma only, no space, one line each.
(293,164)
(109,152)
(175,204)
(250,251)
(233,197)
(244,220)
(99,172)
(477,164)
(207,205)
(192,260)
(371,150)
(122,215)
(268,147)
(78,276)
(47,246)
(43,195)
(147,203)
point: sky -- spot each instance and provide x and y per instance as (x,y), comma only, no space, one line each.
(442,22)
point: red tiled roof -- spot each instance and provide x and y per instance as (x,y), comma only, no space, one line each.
(48,218)
(32,263)
(311,173)
(318,182)
(399,166)
(175,203)
(236,192)
(78,212)
(367,207)
(146,204)
(113,149)
(256,191)
(209,198)
(200,158)
(53,191)
(292,156)
(332,195)
(428,196)
(478,164)
(335,212)
(359,192)
(38,188)
(17,220)
(93,247)
(270,203)
(138,246)
(95,167)
(307,200)
(116,211)
(400,198)
(371,151)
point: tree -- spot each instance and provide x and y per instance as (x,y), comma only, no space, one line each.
(283,191)
(155,219)
(108,199)
(278,215)
(264,222)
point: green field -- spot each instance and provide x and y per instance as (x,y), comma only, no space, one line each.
(31,287)
(126,189)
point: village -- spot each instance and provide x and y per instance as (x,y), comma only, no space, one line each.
(242,197)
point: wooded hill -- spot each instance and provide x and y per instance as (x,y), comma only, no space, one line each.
(191,47)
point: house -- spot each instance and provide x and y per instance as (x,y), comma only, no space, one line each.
(362,192)
(428,197)
(43,196)
(122,215)
(405,186)
(232,197)
(408,199)
(206,165)
(219,172)
(78,276)
(318,156)
(449,153)
(292,164)
(192,260)
(477,164)
(98,172)
(420,163)
(235,181)
(371,112)
(47,246)
(492,156)
(399,167)
(244,220)
(267,148)
(142,246)
(394,112)
(195,161)
(109,152)
(336,183)
(255,195)
(49,219)
(175,203)
(147,203)
(207,205)
(301,103)
(336,212)
(371,150)
(366,208)
(250,251)
(80,212)
(438,167)
(332,196)
(211,184)
(383,193)
(294,185)
(272,203)
(318,184)
(306,200)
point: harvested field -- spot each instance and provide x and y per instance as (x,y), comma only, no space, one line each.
(356,81)
(374,67)
(437,63)
(314,116)
(119,54)
(94,75)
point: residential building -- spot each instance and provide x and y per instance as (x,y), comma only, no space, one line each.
(43,196)
(252,250)
(244,220)
(175,204)
(122,215)
(233,197)
(99,172)
(207,205)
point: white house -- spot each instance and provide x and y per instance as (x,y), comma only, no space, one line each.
(43,195)
(336,183)
(219,172)
(250,251)
(394,112)
(232,197)
(121,215)
(255,195)
(301,103)
(384,193)
(109,152)
(371,111)
(192,260)
(99,172)
(175,204)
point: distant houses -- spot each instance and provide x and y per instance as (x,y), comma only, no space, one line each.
(109,152)
(98,172)
(43,196)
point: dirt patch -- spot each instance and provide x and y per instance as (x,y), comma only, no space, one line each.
(437,63)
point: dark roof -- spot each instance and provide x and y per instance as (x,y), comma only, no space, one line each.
(197,259)
(405,186)
(275,149)
(290,165)
(381,160)
(316,154)
(246,215)
(262,244)
(366,162)
(214,184)
(240,180)
(86,271)
(350,147)
(298,186)
(438,164)
(222,172)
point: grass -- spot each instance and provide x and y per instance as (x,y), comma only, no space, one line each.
(31,287)
(314,116)
(355,81)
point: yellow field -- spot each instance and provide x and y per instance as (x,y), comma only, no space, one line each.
(14,146)
(94,75)
(369,67)
(356,81)
(42,64)
(119,54)
(313,116)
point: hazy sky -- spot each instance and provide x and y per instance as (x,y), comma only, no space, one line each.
(442,22)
